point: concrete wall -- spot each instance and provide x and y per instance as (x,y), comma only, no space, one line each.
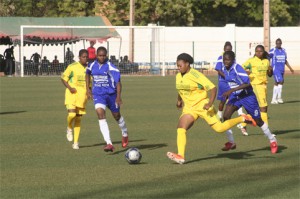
(204,43)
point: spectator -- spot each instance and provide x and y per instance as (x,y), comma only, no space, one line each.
(91,52)
(2,63)
(36,62)
(69,56)
(45,65)
(9,63)
(55,65)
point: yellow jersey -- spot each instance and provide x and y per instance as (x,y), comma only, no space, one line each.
(75,76)
(258,68)
(192,87)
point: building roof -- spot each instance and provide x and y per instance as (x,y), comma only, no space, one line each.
(10,27)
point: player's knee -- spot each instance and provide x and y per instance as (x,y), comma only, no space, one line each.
(217,127)
(72,114)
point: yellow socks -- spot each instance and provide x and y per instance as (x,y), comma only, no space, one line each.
(220,127)
(181,141)
(264,117)
(70,119)
(77,128)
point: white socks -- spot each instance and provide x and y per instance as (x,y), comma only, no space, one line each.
(105,131)
(275,92)
(122,126)
(229,134)
(240,111)
(220,114)
(267,132)
(279,91)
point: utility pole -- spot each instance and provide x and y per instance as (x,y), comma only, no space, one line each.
(131,31)
(267,25)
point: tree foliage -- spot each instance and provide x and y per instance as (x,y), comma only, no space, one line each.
(162,12)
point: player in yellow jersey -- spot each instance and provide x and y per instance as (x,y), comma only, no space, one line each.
(258,67)
(75,95)
(192,87)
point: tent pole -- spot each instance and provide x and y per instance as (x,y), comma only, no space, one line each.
(22,55)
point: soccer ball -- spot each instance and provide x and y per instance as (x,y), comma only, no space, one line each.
(133,156)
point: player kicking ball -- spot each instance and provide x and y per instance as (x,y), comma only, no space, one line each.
(193,87)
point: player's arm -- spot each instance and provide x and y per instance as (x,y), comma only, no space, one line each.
(88,82)
(244,81)
(65,79)
(179,103)
(289,66)
(221,73)
(72,90)
(212,97)
(119,90)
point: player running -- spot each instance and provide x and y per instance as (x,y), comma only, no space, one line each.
(192,87)
(106,92)
(279,60)
(258,68)
(241,94)
(223,86)
(75,95)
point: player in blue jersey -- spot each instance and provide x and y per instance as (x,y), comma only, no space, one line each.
(106,93)
(279,60)
(223,86)
(241,94)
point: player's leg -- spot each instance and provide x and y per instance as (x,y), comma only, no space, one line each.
(280,85)
(185,122)
(220,110)
(115,110)
(100,107)
(278,78)
(242,126)
(77,127)
(70,119)
(222,87)
(261,96)
(252,107)
(229,110)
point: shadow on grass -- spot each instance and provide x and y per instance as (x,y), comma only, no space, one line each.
(142,146)
(102,144)
(11,112)
(290,102)
(240,155)
(279,132)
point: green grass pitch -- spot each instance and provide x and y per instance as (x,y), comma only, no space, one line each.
(37,161)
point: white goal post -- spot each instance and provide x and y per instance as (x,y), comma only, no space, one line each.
(155,47)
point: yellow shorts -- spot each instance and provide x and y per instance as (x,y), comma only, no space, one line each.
(197,111)
(260,91)
(80,111)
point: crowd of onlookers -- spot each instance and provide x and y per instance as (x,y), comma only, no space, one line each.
(37,65)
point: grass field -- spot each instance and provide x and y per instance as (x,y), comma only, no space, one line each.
(37,161)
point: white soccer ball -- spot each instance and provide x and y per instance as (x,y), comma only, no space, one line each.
(133,156)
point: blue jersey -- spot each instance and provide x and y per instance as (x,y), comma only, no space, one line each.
(219,66)
(106,76)
(236,76)
(278,57)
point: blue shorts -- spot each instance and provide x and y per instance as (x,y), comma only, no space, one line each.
(278,76)
(107,100)
(222,88)
(249,102)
